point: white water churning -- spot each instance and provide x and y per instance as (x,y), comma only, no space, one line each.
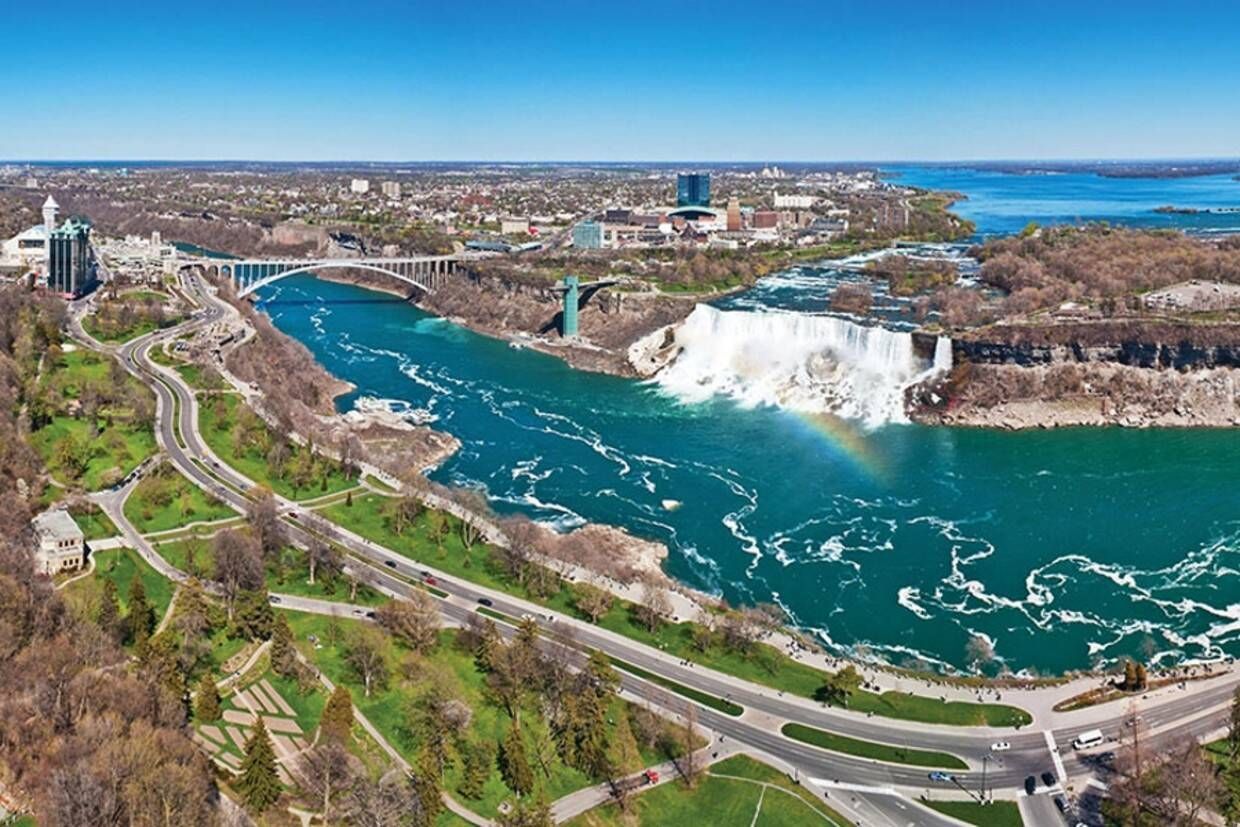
(816,364)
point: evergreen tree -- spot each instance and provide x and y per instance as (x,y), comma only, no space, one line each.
(283,654)
(109,609)
(141,615)
(427,787)
(488,646)
(603,678)
(253,617)
(207,704)
(259,784)
(1142,677)
(160,659)
(479,757)
(513,763)
(337,719)
(627,757)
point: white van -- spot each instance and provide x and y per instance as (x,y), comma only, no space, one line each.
(1085,740)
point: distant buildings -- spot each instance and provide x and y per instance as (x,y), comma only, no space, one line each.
(62,545)
(734,215)
(514,226)
(794,202)
(390,189)
(588,235)
(693,189)
(359,186)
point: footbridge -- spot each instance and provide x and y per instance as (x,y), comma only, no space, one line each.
(427,273)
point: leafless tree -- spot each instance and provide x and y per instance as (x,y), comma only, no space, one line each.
(414,620)
(238,565)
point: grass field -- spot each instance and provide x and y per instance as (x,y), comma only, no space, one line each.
(88,454)
(765,664)
(121,566)
(736,792)
(165,500)
(996,814)
(454,668)
(288,574)
(94,523)
(871,749)
(218,416)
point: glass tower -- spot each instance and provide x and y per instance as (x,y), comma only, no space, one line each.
(693,189)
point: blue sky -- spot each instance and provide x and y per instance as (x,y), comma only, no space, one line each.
(626,80)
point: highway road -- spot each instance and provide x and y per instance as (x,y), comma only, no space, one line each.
(177,433)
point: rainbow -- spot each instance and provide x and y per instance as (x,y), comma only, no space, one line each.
(848,441)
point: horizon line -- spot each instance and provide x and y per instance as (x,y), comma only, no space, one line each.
(704,162)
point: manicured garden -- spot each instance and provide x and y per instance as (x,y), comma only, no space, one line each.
(121,566)
(94,523)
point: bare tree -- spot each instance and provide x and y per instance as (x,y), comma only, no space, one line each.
(654,607)
(414,620)
(366,653)
(238,566)
(323,557)
(264,518)
(324,772)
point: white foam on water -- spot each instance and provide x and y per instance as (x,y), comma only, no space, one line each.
(811,364)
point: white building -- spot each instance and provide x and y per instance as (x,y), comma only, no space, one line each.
(509,226)
(794,202)
(361,186)
(390,189)
(28,249)
(62,546)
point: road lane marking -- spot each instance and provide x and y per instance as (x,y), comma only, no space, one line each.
(856,788)
(1054,751)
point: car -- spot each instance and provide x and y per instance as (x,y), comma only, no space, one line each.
(391,564)
(940,776)
(273,598)
(1000,746)
(1031,784)
(1048,778)
(425,573)
(430,581)
(370,615)
(485,601)
(1061,804)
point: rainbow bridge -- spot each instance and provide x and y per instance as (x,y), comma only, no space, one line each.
(427,273)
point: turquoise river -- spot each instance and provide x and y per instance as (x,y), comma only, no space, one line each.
(894,540)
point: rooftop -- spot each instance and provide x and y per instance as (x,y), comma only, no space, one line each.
(57,524)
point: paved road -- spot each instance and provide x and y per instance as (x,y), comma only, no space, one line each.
(178,435)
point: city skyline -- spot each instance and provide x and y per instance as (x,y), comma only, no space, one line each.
(799,82)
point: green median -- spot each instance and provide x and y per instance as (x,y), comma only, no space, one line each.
(713,701)
(871,749)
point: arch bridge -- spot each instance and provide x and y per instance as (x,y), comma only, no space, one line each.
(427,273)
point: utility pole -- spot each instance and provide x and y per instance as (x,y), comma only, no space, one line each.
(985,760)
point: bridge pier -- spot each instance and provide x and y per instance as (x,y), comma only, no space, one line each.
(568,323)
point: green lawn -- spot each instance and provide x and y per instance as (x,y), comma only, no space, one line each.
(456,669)
(121,566)
(79,452)
(871,749)
(108,455)
(288,574)
(996,814)
(764,665)
(119,334)
(94,523)
(165,500)
(218,417)
(736,792)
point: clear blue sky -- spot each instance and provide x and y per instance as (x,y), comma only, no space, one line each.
(755,80)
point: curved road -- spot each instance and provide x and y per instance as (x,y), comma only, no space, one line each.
(178,435)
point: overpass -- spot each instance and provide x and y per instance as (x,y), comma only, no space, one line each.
(426,273)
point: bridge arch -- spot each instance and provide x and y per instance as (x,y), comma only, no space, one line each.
(246,287)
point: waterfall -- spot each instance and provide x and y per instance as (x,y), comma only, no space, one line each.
(943,354)
(815,364)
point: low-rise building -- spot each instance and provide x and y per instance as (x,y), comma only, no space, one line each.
(588,235)
(361,186)
(62,546)
(514,226)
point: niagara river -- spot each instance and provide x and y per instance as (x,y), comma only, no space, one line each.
(799,484)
